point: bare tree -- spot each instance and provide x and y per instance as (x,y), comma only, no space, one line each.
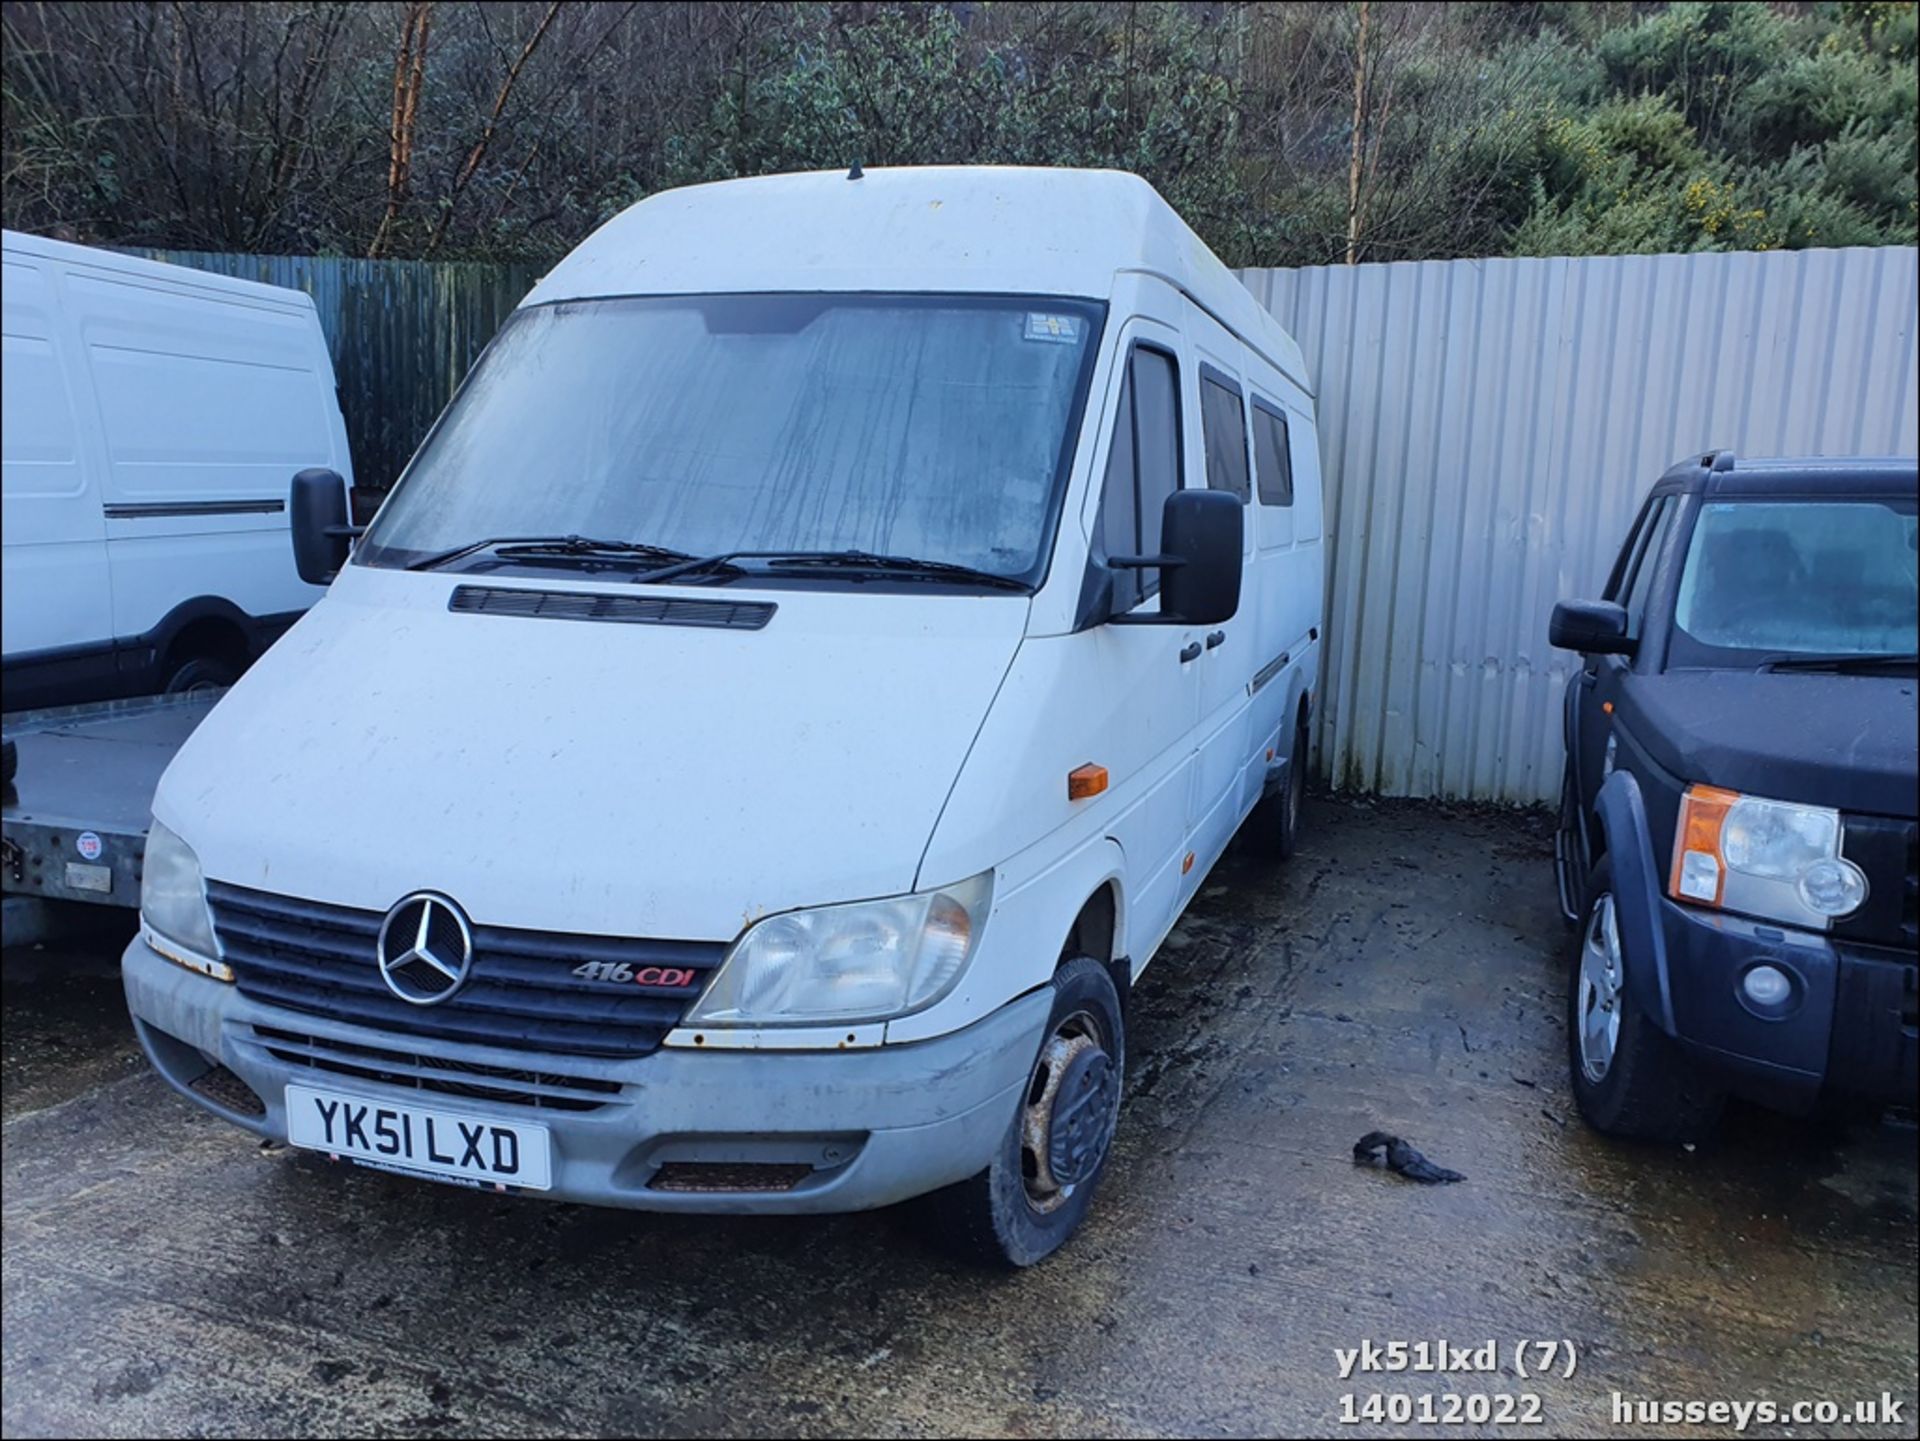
(409,78)
(479,151)
(1358,146)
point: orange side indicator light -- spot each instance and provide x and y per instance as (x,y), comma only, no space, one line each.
(1699,870)
(1084,781)
(1607,706)
(1187,864)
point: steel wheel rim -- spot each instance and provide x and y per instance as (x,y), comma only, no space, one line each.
(1597,1012)
(1078,1035)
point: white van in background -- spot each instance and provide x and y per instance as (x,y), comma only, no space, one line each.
(784,705)
(154,418)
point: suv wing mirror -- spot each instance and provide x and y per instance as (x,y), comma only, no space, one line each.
(1592,627)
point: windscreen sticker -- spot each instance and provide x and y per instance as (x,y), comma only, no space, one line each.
(1061,329)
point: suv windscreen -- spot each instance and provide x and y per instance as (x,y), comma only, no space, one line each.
(936,427)
(1766,578)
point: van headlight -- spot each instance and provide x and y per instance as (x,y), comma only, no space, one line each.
(869,961)
(1777,860)
(173,905)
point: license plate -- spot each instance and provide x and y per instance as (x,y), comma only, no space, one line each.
(443,1145)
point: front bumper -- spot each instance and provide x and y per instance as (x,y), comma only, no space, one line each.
(863,1128)
(1848,1028)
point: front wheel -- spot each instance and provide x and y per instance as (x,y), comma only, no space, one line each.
(1629,1078)
(1038,1189)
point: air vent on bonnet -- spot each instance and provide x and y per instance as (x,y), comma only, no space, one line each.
(618,609)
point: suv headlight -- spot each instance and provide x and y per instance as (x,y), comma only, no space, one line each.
(173,905)
(1777,860)
(869,961)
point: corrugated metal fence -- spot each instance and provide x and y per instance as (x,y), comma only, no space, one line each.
(402,333)
(1488,428)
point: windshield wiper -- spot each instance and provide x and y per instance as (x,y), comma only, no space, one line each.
(905,567)
(901,565)
(533,545)
(1843,661)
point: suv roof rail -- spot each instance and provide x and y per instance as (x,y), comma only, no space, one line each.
(1717,460)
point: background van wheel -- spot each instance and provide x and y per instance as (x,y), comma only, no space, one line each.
(1274,825)
(1033,1196)
(1629,1078)
(202,673)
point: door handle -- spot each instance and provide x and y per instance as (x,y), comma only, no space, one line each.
(1219,637)
(1190,651)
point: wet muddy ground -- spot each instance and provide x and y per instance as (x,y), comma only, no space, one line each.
(163,1274)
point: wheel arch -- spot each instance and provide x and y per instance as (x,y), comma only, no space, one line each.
(207,626)
(1636,895)
(1096,934)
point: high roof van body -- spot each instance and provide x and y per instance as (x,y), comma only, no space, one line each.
(153,417)
(780,712)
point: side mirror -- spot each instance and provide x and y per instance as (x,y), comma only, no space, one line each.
(317,513)
(1201,532)
(1592,627)
(1205,529)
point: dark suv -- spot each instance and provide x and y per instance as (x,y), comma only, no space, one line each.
(1738,818)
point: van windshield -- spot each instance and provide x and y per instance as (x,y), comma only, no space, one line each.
(1794,578)
(935,427)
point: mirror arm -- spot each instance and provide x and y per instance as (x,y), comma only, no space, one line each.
(1146,562)
(345,532)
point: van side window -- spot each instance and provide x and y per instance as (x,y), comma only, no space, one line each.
(1223,422)
(1143,469)
(1156,415)
(1272,460)
(1118,530)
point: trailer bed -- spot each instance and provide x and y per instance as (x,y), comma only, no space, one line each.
(75,817)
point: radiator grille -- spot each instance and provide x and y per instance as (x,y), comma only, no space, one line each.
(506,1085)
(520,994)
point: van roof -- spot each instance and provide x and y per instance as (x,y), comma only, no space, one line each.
(121,263)
(994,229)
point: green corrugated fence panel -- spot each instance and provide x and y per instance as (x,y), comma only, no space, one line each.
(402,334)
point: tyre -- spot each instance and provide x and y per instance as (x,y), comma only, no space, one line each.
(1629,1078)
(202,673)
(1274,824)
(1033,1196)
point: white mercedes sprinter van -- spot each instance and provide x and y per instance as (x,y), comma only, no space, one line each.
(152,417)
(784,705)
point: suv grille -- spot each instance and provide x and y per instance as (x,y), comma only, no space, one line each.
(1888,852)
(521,992)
